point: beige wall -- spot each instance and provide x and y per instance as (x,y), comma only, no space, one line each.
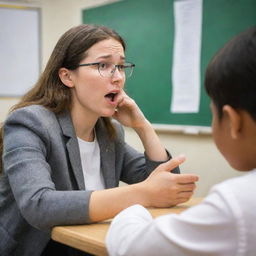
(202,155)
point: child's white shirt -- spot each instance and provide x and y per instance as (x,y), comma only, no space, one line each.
(223,224)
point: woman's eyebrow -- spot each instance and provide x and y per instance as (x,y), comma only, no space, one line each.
(109,57)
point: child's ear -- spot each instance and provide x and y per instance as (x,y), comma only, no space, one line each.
(235,121)
(65,77)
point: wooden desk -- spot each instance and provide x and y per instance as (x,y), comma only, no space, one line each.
(91,238)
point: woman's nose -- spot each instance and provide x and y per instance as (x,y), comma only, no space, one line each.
(117,75)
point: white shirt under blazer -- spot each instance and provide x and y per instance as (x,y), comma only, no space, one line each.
(90,159)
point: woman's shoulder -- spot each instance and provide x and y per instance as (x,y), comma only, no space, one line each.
(32,109)
(31,114)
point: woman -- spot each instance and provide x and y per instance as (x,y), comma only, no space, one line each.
(63,156)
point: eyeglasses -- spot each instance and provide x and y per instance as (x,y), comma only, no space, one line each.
(107,69)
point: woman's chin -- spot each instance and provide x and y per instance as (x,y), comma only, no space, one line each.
(108,113)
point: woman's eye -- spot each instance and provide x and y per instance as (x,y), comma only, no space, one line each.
(121,67)
(103,65)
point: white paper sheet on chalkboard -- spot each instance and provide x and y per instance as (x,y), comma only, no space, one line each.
(186,56)
(19,50)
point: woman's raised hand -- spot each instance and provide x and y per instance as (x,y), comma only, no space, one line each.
(128,113)
(163,188)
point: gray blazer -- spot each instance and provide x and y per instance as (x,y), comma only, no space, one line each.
(42,184)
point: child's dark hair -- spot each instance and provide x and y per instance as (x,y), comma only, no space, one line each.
(231,75)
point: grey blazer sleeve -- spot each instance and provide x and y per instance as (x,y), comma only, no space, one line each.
(38,173)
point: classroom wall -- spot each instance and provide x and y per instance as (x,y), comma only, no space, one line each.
(202,156)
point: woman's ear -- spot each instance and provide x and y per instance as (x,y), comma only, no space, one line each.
(65,77)
(234,119)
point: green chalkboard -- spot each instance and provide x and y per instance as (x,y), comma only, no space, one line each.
(148,29)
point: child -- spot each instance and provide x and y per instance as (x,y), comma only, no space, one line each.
(224,223)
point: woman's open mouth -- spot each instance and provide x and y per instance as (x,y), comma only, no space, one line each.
(111,97)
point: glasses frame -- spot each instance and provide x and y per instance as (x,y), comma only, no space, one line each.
(116,66)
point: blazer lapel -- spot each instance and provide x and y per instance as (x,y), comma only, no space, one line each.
(107,155)
(72,147)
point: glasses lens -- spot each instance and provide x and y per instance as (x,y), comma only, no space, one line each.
(105,69)
(128,69)
(108,69)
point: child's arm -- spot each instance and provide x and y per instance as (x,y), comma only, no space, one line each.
(207,229)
